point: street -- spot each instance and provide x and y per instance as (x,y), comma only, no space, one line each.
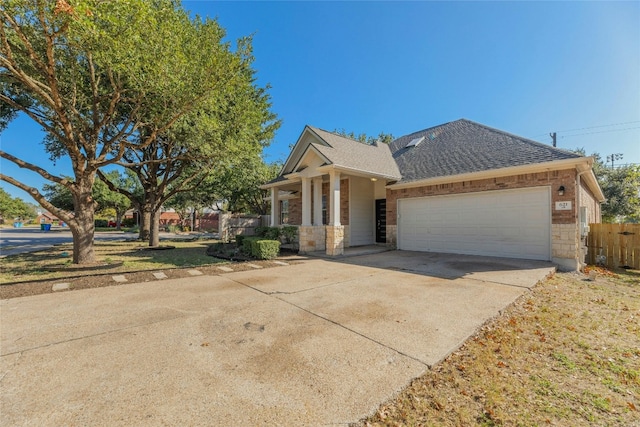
(30,239)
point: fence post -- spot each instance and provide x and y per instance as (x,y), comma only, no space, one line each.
(223,226)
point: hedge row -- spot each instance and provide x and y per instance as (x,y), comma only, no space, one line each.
(259,247)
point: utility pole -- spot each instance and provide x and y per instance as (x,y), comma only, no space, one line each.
(612,157)
(553,137)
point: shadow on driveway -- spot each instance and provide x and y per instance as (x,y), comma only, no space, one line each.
(506,271)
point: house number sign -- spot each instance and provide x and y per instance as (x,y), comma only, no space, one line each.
(563,206)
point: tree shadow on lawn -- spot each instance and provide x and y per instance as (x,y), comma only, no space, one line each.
(111,257)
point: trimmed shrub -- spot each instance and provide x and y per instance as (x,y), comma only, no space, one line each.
(289,232)
(239,239)
(260,248)
(270,233)
(247,244)
(273,233)
(265,249)
(261,231)
(101,223)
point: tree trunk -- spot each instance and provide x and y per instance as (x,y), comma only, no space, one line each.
(119,220)
(145,222)
(82,226)
(154,238)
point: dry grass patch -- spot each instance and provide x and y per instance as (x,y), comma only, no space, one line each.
(565,354)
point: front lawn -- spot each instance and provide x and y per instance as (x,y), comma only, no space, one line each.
(112,257)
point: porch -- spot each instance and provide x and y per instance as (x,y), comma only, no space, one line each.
(332,211)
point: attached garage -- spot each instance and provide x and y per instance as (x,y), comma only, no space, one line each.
(509,223)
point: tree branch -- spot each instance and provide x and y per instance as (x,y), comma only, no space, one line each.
(26,165)
(62,214)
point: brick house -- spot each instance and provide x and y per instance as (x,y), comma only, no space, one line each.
(460,187)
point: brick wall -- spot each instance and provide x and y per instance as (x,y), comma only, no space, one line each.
(295,211)
(554,179)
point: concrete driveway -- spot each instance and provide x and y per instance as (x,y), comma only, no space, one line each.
(319,343)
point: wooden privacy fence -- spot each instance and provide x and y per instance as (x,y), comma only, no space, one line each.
(614,245)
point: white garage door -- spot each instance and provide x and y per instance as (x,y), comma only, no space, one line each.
(510,223)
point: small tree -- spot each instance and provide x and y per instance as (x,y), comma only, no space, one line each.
(621,188)
(14,207)
(239,183)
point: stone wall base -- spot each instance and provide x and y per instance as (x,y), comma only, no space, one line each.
(335,240)
(312,238)
(565,247)
(392,236)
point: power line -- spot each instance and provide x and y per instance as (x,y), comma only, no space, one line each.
(602,131)
(600,126)
(593,127)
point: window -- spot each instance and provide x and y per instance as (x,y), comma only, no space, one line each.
(324,209)
(284,211)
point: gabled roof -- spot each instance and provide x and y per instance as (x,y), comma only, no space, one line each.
(351,154)
(462,147)
(341,152)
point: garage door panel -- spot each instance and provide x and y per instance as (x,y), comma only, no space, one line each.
(511,223)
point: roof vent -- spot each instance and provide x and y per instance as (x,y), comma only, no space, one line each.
(415,142)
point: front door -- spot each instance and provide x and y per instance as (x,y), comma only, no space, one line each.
(381,221)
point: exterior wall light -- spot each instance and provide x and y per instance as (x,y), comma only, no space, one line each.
(561,190)
(374,179)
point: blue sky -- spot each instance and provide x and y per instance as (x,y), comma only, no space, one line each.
(528,68)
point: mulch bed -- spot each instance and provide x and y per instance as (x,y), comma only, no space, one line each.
(22,289)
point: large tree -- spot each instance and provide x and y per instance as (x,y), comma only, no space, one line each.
(226,129)
(93,73)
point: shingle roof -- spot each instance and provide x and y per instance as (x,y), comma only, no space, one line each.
(351,154)
(463,146)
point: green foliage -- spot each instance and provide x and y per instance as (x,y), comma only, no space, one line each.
(382,137)
(621,188)
(107,199)
(109,79)
(14,207)
(101,223)
(128,222)
(260,248)
(61,197)
(289,232)
(271,233)
(238,182)
(266,249)
(247,244)
(239,240)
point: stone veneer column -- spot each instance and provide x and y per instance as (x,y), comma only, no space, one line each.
(311,239)
(565,246)
(335,240)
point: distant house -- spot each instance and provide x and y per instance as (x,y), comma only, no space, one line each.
(47,218)
(460,187)
(208,220)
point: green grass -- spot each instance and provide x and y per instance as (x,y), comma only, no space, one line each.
(112,257)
